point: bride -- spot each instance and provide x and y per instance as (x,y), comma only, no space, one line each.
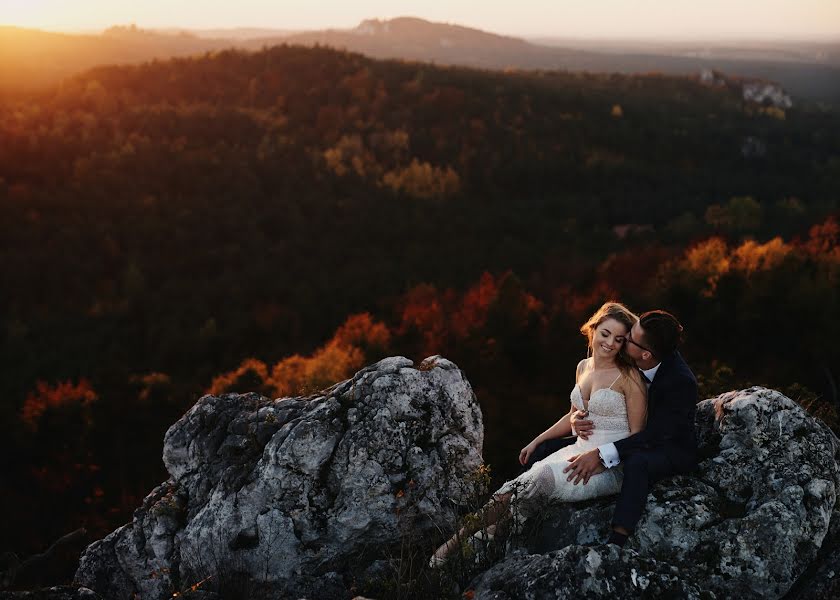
(610,388)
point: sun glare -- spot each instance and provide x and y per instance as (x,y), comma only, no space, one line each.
(54,15)
(25,13)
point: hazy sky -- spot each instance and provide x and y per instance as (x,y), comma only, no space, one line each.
(582,18)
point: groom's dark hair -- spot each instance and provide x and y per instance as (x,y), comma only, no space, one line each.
(663,332)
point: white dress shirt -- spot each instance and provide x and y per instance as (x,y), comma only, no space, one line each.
(608,452)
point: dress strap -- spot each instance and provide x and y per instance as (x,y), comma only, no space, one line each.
(616,379)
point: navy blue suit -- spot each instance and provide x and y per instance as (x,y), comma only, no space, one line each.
(668,443)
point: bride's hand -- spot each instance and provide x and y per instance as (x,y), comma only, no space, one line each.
(526,453)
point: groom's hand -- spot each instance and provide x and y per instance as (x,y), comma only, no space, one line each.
(583,466)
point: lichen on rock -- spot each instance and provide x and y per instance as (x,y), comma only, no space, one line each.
(301,496)
(747,523)
(291,491)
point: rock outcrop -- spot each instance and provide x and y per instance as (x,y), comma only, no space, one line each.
(297,494)
(747,524)
(763,92)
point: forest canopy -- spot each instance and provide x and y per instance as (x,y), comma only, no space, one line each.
(272,221)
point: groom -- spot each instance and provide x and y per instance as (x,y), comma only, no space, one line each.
(668,444)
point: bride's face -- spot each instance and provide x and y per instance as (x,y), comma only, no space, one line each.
(608,338)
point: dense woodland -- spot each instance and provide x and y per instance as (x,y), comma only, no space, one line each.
(275,220)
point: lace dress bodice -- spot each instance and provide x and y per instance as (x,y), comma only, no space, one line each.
(608,413)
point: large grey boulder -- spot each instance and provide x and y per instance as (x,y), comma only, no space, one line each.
(297,494)
(748,523)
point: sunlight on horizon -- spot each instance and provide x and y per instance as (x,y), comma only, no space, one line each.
(611,18)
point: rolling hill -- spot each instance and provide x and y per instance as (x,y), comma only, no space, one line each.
(33,59)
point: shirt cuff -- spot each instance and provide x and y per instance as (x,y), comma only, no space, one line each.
(609,455)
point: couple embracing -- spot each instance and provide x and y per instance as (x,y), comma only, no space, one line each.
(632,410)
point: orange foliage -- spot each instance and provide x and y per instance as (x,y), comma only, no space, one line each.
(350,155)
(288,377)
(249,376)
(709,259)
(751,256)
(363,332)
(359,339)
(151,385)
(422,180)
(46,397)
(712,259)
(329,364)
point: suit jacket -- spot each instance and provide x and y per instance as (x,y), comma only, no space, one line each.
(672,403)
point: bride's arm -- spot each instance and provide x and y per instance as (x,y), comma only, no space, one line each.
(561,428)
(635,396)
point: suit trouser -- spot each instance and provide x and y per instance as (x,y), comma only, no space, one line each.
(641,470)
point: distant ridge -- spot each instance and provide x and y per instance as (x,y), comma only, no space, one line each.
(233,33)
(32,59)
(417,39)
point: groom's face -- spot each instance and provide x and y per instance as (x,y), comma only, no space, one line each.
(635,340)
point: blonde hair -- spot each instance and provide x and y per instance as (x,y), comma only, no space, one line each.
(619,312)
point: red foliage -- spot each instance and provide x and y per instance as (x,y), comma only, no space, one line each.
(424,313)
(46,397)
(474,306)
(823,237)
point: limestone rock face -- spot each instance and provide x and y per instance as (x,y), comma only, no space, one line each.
(296,493)
(53,593)
(577,572)
(747,523)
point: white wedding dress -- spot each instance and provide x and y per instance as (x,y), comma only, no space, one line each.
(545,480)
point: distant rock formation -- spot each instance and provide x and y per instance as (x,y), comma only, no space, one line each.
(764,92)
(298,493)
(748,524)
(712,77)
(759,91)
(372,27)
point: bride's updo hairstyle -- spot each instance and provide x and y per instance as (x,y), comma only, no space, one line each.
(619,312)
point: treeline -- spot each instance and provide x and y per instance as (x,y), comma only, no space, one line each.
(755,313)
(163,223)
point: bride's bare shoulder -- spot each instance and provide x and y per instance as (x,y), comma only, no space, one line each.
(581,367)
